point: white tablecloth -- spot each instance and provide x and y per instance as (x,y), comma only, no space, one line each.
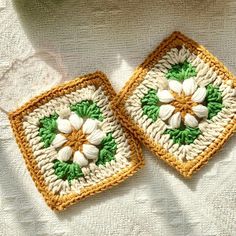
(113,36)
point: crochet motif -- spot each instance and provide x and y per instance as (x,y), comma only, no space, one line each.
(181,103)
(72,141)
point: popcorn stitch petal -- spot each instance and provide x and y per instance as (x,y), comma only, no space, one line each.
(64,153)
(165,96)
(80,159)
(90,151)
(64,112)
(96,137)
(200,111)
(166,111)
(175,120)
(189,86)
(63,125)
(89,126)
(59,140)
(76,121)
(175,86)
(190,121)
(199,95)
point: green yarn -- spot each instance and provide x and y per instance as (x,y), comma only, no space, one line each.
(107,150)
(150,104)
(67,170)
(185,135)
(181,71)
(87,108)
(213,101)
(47,130)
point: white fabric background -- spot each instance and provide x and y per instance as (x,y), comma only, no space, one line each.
(113,36)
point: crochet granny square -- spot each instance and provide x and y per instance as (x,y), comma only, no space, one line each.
(180,102)
(72,141)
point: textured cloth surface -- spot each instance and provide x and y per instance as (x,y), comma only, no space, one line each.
(112,36)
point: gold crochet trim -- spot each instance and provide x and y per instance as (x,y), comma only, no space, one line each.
(57,202)
(175,40)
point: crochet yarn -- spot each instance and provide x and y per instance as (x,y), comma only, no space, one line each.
(181,103)
(73,142)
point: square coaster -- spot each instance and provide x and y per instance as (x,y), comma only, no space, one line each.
(180,102)
(72,141)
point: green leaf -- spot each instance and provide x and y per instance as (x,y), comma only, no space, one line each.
(181,71)
(185,135)
(47,129)
(150,104)
(88,109)
(107,150)
(213,101)
(67,170)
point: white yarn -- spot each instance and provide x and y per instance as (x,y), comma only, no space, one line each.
(64,153)
(80,159)
(76,121)
(89,126)
(165,96)
(63,125)
(90,151)
(200,110)
(199,95)
(175,120)
(96,137)
(189,86)
(59,140)
(190,120)
(175,86)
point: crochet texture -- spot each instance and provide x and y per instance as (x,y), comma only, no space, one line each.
(181,103)
(72,141)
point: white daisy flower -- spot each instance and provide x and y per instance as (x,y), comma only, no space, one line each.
(182,101)
(78,138)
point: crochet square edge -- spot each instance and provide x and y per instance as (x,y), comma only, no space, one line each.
(176,39)
(56,202)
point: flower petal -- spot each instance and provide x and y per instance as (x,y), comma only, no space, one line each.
(59,140)
(89,126)
(96,137)
(189,86)
(190,121)
(165,96)
(63,125)
(64,112)
(162,82)
(64,153)
(175,86)
(90,151)
(200,110)
(80,159)
(166,111)
(199,95)
(175,120)
(76,121)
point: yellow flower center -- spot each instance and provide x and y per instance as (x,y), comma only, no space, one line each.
(75,140)
(183,104)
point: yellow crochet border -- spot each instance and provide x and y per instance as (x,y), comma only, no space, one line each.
(176,39)
(57,202)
